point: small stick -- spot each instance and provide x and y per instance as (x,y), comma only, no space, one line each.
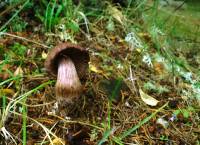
(25,39)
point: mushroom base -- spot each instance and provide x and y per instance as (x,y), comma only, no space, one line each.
(68,85)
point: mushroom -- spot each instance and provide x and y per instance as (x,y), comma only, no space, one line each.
(70,63)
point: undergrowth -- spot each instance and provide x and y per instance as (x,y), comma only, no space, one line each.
(144,80)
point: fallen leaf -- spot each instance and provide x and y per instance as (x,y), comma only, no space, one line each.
(18,71)
(58,141)
(4,75)
(7,91)
(148,99)
(6,67)
(116,14)
(94,68)
(110,25)
(44,55)
(146,36)
(162,122)
(95,30)
(159,68)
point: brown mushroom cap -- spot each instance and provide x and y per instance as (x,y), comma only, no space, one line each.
(78,55)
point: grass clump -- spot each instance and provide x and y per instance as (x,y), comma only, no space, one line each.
(56,13)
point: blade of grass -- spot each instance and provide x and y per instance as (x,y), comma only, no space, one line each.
(46,130)
(113,95)
(141,4)
(51,15)
(116,88)
(69,8)
(4,102)
(12,103)
(11,79)
(117,140)
(86,22)
(47,16)
(131,130)
(105,136)
(24,118)
(17,12)
(109,131)
(15,101)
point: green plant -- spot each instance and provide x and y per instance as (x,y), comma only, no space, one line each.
(18,24)
(9,109)
(54,12)
(186,112)
(14,16)
(164,138)
(4,99)
(108,129)
(51,17)
(131,130)
(15,55)
(19,49)
(5,111)
(24,117)
(155,87)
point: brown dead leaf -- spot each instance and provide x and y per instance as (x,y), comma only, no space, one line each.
(4,76)
(159,68)
(6,67)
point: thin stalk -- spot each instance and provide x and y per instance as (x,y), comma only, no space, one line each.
(4,102)
(47,16)
(24,118)
(8,80)
(51,16)
(24,39)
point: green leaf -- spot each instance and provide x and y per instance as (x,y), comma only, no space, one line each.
(105,136)
(176,112)
(73,26)
(186,113)
(19,49)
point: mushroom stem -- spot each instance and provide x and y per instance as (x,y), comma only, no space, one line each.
(68,85)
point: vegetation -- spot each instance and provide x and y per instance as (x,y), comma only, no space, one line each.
(143,85)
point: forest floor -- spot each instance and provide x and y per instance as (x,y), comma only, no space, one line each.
(143,82)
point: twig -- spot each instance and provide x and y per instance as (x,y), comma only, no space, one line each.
(25,39)
(74,122)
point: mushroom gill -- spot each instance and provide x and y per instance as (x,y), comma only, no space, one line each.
(68,85)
